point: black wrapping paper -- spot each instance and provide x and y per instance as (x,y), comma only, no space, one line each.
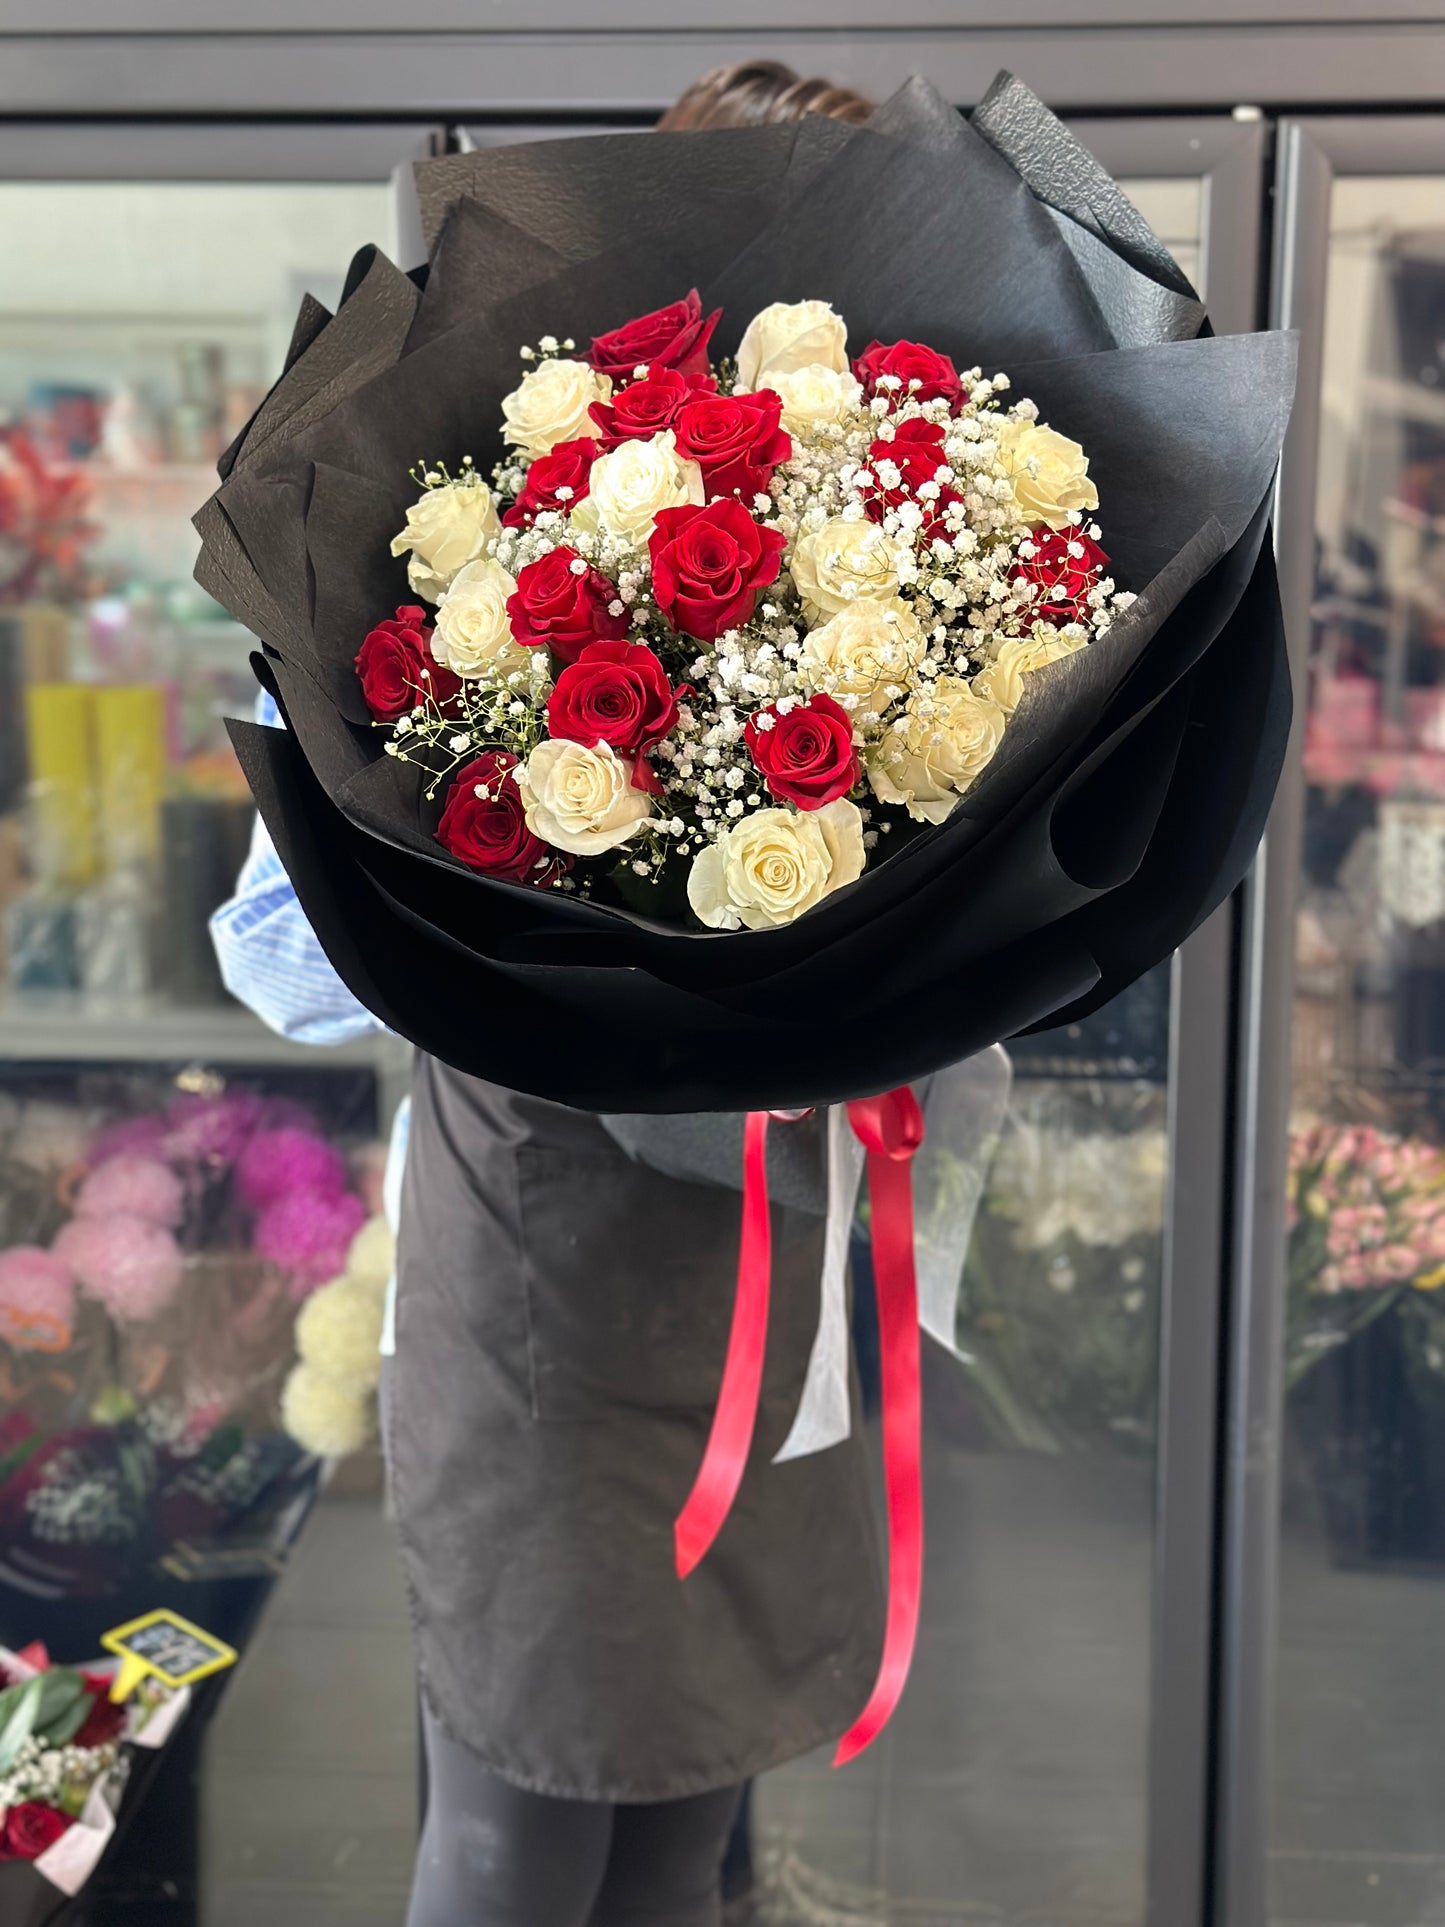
(1134,778)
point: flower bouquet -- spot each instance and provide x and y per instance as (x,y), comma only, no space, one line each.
(1366,1214)
(759,651)
(147,1319)
(736,658)
(64,1759)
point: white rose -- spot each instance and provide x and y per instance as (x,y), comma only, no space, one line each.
(865,651)
(581,800)
(932,754)
(773,865)
(843,562)
(473,636)
(788,335)
(1050,474)
(1002,682)
(630,485)
(814,395)
(447,528)
(551,405)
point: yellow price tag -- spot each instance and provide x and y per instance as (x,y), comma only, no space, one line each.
(163,1644)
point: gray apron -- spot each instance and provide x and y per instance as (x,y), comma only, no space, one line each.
(562,1319)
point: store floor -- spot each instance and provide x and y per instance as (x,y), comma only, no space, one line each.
(1009,1790)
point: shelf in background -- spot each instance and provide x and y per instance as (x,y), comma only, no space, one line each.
(70,1028)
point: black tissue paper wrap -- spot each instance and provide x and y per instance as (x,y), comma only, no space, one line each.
(1133,781)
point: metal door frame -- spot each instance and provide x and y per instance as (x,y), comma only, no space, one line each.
(1312,153)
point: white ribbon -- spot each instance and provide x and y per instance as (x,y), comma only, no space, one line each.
(824,1416)
(964,1108)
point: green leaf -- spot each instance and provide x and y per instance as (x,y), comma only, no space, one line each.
(17,1718)
(64,1703)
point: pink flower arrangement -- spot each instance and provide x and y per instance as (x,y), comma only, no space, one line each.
(140,1187)
(277,1163)
(37,1300)
(1367,1208)
(132,1267)
(308,1234)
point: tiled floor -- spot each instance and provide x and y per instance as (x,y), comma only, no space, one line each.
(1010,1790)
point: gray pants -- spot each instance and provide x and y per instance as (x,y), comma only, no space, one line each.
(493,1855)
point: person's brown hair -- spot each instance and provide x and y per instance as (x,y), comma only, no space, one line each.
(757,93)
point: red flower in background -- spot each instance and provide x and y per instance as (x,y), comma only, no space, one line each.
(105,1721)
(556,481)
(43,530)
(396,665)
(30,1828)
(735,440)
(564,607)
(805,754)
(710,565)
(616,693)
(916,451)
(910,361)
(672,337)
(485,824)
(645,408)
(1064,567)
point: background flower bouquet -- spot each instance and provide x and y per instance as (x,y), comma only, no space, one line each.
(156,1262)
(64,1763)
(663,566)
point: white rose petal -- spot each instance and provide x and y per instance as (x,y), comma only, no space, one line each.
(813,395)
(551,405)
(930,757)
(866,649)
(1049,473)
(775,864)
(1002,681)
(473,636)
(844,561)
(788,335)
(629,486)
(445,529)
(581,800)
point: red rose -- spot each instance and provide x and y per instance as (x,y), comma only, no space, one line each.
(396,665)
(485,824)
(645,408)
(105,1721)
(910,362)
(735,440)
(709,566)
(30,1828)
(1063,569)
(569,467)
(562,607)
(671,337)
(916,451)
(617,693)
(807,756)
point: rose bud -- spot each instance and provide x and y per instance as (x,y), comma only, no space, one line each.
(1063,568)
(557,481)
(562,607)
(397,668)
(644,408)
(710,565)
(909,362)
(671,337)
(735,440)
(616,693)
(485,824)
(805,754)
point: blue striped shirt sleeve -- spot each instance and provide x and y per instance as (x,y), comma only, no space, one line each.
(268,953)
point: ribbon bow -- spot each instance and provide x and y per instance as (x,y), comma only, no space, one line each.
(890,1129)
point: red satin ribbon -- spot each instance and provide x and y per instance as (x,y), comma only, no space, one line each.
(890,1128)
(731,1436)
